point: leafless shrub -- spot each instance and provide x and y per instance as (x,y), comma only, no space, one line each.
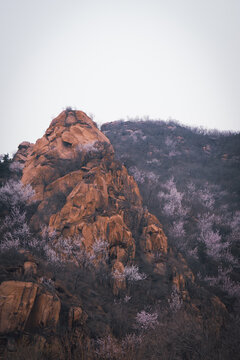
(108,348)
(175,301)
(113,349)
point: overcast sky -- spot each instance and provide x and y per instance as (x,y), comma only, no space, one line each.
(115,59)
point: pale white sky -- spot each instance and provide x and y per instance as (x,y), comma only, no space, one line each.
(118,59)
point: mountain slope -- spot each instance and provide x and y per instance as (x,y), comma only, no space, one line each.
(189,178)
(85,267)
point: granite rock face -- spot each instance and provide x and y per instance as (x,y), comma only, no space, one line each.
(82,191)
(24,150)
(16,302)
(24,305)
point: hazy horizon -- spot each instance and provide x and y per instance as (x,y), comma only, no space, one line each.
(118,60)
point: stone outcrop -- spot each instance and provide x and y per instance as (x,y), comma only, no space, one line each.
(76,317)
(25,305)
(83,191)
(69,142)
(24,149)
(16,302)
(45,311)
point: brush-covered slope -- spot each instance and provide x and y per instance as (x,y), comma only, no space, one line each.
(190,179)
(171,149)
(93,262)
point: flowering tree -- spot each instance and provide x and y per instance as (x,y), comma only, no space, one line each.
(224,281)
(14,193)
(130,273)
(215,247)
(234,237)
(15,231)
(100,250)
(172,200)
(69,249)
(177,229)
(16,167)
(146,320)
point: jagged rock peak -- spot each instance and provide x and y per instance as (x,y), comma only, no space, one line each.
(70,142)
(82,191)
(69,123)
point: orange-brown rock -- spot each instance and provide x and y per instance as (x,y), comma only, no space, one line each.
(30,268)
(153,238)
(45,311)
(24,305)
(83,191)
(16,302)
(119,282)
(24,149)
(71,140)
(76,316)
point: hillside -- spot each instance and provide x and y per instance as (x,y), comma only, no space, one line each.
(189,178)
(86,270)
(170,149)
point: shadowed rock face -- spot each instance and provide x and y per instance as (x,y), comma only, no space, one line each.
(17,299)
(23,305)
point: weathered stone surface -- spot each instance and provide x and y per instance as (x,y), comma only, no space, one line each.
(71,137)
(22,305)
(83,191)
(16,302)
(153,240)
(119,282)
(45,311)
(24,150)
(76,316)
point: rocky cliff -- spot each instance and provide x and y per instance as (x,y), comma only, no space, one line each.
(83,191)
(84,195)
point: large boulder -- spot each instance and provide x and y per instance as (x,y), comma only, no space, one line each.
(26,305)
(45,311)
(16,302)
